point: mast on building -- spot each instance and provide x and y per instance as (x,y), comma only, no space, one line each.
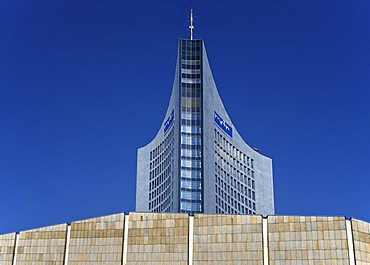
(191,27)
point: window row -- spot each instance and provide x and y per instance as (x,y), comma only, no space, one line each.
(191,129)
(187,195)
(230,206)
(230,170)
(164,200)
(191,51)
(191,163)
(231,150)
(191,109)
(156,180)
(162,190)
(191,57)
(188,62)
(190,115)
(191,139)
(191,44)
(195,94)
(191,174)
(246,197)
(191,76)
(191,152)
(187,86)
(162,146)
(194,185)
(165,206)
(191,122)
(191,102)
(190,90)
(191,81)
(190,71)
(160,163)
(230,210)
(226,160)
(241,186)
(192,66)
(190,207)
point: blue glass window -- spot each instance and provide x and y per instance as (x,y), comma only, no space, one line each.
(191,152)
(193,139)
(191,184)
(191,207)
(191,163)
(191,174)
(191,195)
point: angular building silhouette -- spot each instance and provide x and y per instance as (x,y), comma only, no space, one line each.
(198,162)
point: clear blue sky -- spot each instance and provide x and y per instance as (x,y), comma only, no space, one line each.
(83,84)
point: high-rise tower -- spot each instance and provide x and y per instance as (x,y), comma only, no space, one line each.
(198,162)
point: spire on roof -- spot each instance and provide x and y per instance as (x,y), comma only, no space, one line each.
(191,27)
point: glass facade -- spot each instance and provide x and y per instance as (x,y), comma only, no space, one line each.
(191,180)
(198,162)
(234,178)
(161,175)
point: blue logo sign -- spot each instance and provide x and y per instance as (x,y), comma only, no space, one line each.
(223,125)
(167,124)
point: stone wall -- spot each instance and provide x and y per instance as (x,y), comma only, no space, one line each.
(97,240)
(295,239)
(44,245)
(228,239)
(7,243)
(361,239)
(173,238)
(160,238)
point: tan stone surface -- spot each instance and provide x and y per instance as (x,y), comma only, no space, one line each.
(42,246)
(97,241)
(7,242)
(228,239)
(361,240)
(162,238)
(158,238)
(307,240)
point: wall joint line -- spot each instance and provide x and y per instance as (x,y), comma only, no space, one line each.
(125,240)
(265,241)
(66,249)
(191,239)
(351,251)
(15,249)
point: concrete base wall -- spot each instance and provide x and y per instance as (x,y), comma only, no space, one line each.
(171,238)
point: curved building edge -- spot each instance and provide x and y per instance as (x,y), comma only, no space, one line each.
(263,202)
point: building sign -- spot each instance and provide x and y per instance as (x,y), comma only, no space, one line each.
(223,125)
(167,124)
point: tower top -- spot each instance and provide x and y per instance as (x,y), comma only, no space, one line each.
(191,27)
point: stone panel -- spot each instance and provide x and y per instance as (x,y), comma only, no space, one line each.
(162,238)
(7,242)
(361,239)
(158,238)
(44,246)
(307,240)
(228,239)
(97,241)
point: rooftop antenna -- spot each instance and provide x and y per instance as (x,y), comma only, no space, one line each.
(191,27)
